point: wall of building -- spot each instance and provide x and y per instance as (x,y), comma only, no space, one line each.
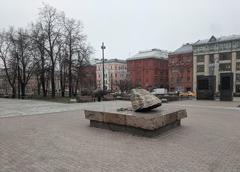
(114,72)
(180,72)
(216,58)
(148,73)
(88,80)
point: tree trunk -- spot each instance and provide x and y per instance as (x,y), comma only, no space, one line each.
(76,87)
(42,80)
(13,92)
(23,90)
(70,78)
(19,78)
(43,87)
(70,68)
(38,85)
(63,93)
(53,82)
(61,82)
(42,75)
(64,81)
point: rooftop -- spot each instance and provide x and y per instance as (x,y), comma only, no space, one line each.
(153,53)
(111,61)
(214,39)
(94,61)
(185,48)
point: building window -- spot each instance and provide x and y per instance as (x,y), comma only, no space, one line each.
(211,70)
(238,66)
(225,56)
(211,58)
(237,77)
(238,55)
(225,67)
(237,88)
(200,58)
(200,68)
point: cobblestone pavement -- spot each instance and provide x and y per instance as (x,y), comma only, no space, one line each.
(62,141)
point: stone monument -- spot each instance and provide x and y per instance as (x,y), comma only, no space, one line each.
(142,100)
(144,118)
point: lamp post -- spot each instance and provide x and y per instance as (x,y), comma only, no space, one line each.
(103,47)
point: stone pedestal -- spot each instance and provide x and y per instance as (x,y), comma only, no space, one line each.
(147,124)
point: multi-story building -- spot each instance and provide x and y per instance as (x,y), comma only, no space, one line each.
(148,69)
(217,55)
(180,66)
(115,70)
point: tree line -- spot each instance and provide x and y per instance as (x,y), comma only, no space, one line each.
(53,43)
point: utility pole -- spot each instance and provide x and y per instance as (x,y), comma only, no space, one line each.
(103,47)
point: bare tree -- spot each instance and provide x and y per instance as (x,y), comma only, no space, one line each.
(9,59)
(54,42)
(84,53)
(73,38)
(51,28)
(38,40)
(25,58)
(63,63)
(124,85)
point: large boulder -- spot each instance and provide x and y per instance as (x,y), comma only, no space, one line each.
(142,100)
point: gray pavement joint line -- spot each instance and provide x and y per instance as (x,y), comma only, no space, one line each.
(209,107)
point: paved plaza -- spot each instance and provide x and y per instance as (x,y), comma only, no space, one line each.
(38,136)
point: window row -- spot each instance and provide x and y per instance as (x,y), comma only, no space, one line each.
(122,67)
(111,75)
(222,67)
(222,56)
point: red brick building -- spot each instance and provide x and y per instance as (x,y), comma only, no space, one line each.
(88,78)
(180,65)
(148,69)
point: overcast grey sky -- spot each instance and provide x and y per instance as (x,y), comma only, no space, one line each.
(127,26)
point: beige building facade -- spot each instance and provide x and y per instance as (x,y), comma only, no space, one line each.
(115,70)
(217,55)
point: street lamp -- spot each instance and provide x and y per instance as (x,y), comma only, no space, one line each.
(103,47)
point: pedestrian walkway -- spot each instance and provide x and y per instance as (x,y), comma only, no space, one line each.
(207,141)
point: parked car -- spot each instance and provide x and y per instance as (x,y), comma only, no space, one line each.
(187,94)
